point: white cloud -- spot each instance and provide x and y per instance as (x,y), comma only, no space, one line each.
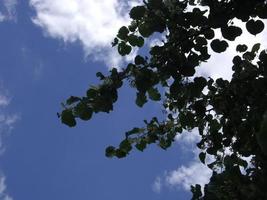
(185,176)
(194,172)
(7,122)
(2,17)
(157,185)
(3,194)
(9,12)
(188,138)
(11,7)
(158,40)
(92,23)
(4,101)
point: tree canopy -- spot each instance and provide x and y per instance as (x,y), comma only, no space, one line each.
(231,116)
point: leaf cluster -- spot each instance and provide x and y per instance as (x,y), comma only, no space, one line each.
(230,115)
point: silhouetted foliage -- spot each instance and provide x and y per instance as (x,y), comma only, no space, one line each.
(229,115)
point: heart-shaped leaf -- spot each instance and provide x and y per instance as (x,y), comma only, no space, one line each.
(255,27)
(219,46)
(231,32)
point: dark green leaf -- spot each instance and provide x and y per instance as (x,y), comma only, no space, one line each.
(67,118)
(133,26)
(140,99)
(141,145)
(155,3)
(120,153)
(137,12)
(115,42)
(188,70)
(212,150)
(154,94)
(72,100)
(231,32)
(196,192)
(255,48)
(123,33)
(139,60)
(219,46)
(91,93)
(100,75)
(83,111)
(202,157)
(145,29)
(255,27)
(140,41)
(124,49)
(133,131)
(133,40)
(209,34)
(110,151)
(249,56)
(125,145)
(262,135)
(241,48)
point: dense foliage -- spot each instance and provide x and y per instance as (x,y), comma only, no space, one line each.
(231,116)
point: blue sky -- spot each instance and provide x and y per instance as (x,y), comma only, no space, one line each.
(50,50)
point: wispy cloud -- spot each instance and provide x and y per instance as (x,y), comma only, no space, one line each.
(3,193)
(7,122)
(34,64)
(157,185)
(4,101)
(92,23)
(2,17)
(9,12)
